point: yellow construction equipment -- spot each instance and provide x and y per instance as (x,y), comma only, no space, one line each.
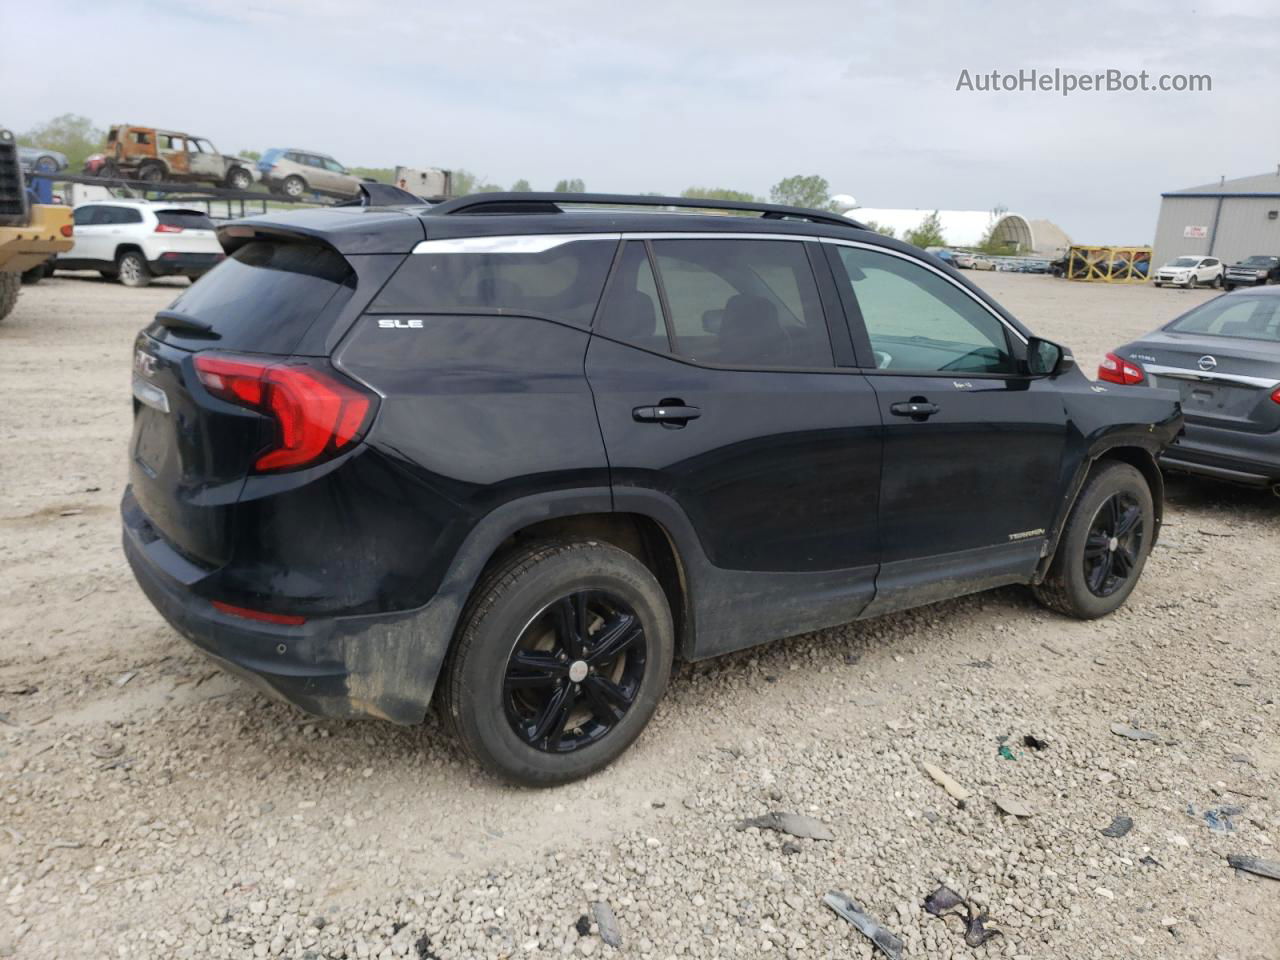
(30,233)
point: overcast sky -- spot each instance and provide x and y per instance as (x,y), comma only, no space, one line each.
(659,96)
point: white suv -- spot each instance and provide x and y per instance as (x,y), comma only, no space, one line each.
(134,240)
(1188,271)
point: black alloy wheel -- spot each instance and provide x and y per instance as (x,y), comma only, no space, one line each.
(1113,544)
(575,671)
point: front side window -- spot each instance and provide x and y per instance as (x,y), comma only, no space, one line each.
(1249,318)
(747,303)
(333,166)
(522,276)
(917,320)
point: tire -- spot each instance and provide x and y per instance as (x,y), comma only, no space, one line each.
(108,275)
(293,186)
(46,165)
(1072,586)
(525,604)
(109,170)
(1228,287)
(1218,281)
(132,270)
(1191,282)
(10,284)
(238,178)
(34,275)
(151,172)
(1157,283)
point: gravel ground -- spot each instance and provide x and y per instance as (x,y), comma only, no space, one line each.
(151,806)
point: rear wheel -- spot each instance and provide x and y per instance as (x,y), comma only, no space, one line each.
(151,172)
(294,186)
(34,275)
(239,179)
(1104,546)
(10,283)
(563,654)
(132,270)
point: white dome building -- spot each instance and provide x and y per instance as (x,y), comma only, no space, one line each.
(964,228)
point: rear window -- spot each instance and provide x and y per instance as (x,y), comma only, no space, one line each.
(264,297)
(186,219)
(562,282)
(1249,318)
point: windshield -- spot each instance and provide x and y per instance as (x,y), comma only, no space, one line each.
(1247,318)
(1185,262)
(1262,261)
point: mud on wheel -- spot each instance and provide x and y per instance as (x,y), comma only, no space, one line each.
(562,657)
(1104,545)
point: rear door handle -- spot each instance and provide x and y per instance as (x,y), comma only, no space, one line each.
(919,409)
(676,414)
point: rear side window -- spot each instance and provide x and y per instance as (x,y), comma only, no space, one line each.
(264,297)
(632,309)
(743,302)
(185,219)
(115,215)
(1250,318)
(559,278)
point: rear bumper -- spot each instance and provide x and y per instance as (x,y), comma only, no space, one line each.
(184,264)
(1234,455)
(383,665)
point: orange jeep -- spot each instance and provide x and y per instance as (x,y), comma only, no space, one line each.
(145,153)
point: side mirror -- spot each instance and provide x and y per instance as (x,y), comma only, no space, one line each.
(1047,359)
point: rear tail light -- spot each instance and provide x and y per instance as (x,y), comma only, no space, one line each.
(66,230)
(167,228)
(1116,369)
(317,415)
(1275,395)
(287,619)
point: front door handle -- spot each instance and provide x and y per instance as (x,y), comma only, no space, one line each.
(917,408)
(674,414)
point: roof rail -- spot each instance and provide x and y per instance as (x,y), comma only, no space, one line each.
(534,203)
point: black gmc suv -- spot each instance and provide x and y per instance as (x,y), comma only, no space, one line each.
(531,447)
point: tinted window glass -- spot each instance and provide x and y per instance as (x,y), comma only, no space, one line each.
(265,296)
(1251,318)
(125,215)
(632,310)
(743,302)
(917,320)
(563,282)
(84,216)
(186,219)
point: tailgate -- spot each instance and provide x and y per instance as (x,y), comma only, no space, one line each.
(189,453)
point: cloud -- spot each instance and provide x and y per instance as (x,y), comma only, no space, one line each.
(661,95)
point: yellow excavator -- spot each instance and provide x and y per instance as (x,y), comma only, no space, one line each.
(30,233)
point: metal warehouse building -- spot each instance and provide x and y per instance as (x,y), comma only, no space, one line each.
(1229,220)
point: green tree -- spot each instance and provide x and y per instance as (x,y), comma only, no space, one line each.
(810,191)
(254,155)
(571,186)
(880,228)
(928,234)
(521,186)
(718,193)
(72,134)
(989,244)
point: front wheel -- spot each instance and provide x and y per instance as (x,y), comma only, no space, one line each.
(562,656)
(1104,545)
(10,284)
